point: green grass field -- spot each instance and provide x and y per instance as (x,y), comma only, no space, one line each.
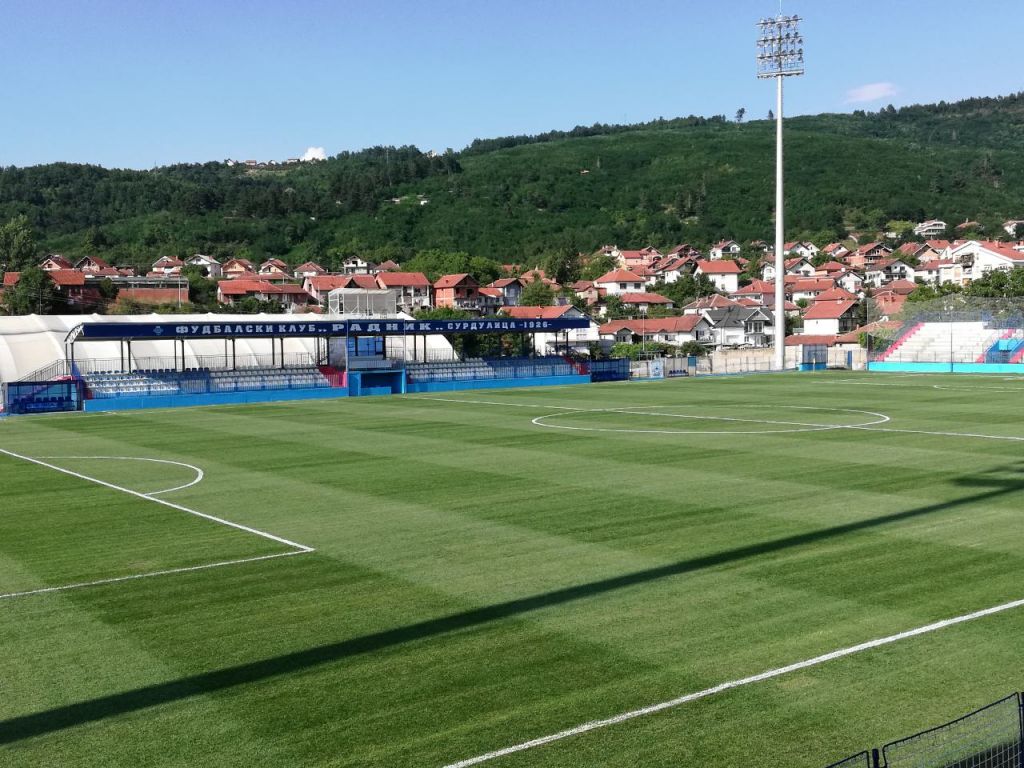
(494,567)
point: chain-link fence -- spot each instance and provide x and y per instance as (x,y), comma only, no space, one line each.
(957,331)
(991,737)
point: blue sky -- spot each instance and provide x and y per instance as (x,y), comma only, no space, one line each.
(138,84)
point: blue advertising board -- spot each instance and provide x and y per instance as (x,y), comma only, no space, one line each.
(263,329)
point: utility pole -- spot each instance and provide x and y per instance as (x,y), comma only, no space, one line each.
(780,54)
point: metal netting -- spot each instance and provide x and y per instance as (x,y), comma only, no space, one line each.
(355,302)
(988,738)
(953,329)
(860,760)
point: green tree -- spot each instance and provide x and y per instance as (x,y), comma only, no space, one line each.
(537,294)
(33,294)
(563,266)
(597,266)
(17,245)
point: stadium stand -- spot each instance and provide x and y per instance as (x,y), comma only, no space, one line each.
(479,369)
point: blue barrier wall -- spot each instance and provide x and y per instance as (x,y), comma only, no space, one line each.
(1014,368)
(128,403)
(370,382)
(536,381)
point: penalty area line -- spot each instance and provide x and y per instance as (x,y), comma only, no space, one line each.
(164,502)
(594,725)
(149,574)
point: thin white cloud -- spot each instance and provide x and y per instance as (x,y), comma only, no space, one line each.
(871,92)
(314,153)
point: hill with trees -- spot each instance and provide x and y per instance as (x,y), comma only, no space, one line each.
(524,198)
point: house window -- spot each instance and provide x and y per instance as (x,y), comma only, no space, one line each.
(755,326)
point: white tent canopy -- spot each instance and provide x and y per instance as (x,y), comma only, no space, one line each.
(31,342)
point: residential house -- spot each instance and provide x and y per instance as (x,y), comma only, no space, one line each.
(851,281)
(235,268)
(354,265)
(620,281)
(412,289)
(55,262)
(930,228)
(210,266)
(979,258)
(69,288)
(808,288)
(167,265)
(725,249)
(275,270)
(645,257)
(642,302)
(939,271)
(830,317)
(804,249)
(577,340)
(664,330)
(1013,226)
(799,265)
(867,255)
(886,270)
(291,297)
(460,291)
(835,250)
(670,269)
(724,274)
(588,290)
(737,327)
(308,269)
(714,301)
(510,288)
(319,287)
(94,265)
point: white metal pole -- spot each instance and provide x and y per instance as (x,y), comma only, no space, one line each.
(780,265)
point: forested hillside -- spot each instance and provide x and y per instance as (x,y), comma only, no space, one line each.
(515,198)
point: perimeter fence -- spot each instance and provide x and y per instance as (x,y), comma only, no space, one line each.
(953,330)
(991,737)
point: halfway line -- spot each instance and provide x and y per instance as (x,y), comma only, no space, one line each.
(594,725)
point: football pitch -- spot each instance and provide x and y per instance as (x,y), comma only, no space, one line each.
(774,570)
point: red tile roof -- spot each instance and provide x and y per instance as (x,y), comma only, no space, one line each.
(723,267)
(835,293)
(644,298)
(714,301)
(809,338)
(619,276)
(450,281)
(683,324)
(829,310)
(403,279)
(902,287)
(536,313)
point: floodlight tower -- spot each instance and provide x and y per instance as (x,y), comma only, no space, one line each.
(780,54)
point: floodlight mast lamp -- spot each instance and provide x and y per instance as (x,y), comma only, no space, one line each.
(780,54)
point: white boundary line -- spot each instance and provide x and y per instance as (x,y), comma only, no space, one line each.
(297,549)
(171,504)
(197,470)
(594,725)
(863,428)
(882,419)
(150,574)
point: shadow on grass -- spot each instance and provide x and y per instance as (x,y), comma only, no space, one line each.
(56,719)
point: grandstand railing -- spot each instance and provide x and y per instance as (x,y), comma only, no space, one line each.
(990,737)
(146,383)
(471,369)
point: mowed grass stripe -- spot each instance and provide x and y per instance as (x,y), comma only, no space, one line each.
(56,530)
(441,510)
